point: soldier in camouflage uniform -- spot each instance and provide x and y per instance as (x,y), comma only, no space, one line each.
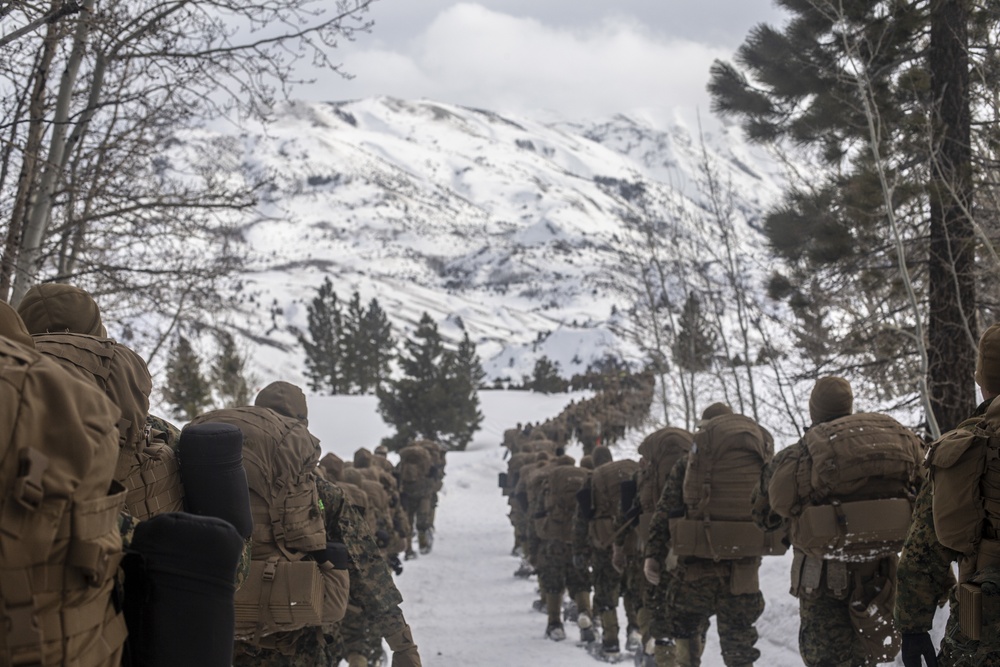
(374,599)
(556,568)
(925,578)
(827,634)
(593,543)
(700,588)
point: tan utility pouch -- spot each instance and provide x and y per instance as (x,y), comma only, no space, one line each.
(154,486)
(336,589)
(279,595)
(723,540)
(96,543)
(745,578)
(865,525)
(970,611)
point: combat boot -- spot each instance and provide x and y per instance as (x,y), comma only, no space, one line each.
(553,603)
(525,570)
(609,623)
(633,638)
(665,653)
(686,653)
(425,538)
(646,657)
(584,618)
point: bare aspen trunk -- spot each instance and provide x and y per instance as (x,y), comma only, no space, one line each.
(40,214)
(28,176)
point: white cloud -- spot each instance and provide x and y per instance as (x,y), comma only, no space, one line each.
(479,57)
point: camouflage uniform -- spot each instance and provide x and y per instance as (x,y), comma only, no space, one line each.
(700,588)
(160,430)
(826,633)
(925,579)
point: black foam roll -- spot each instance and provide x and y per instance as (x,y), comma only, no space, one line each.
(215,483)
(180,576)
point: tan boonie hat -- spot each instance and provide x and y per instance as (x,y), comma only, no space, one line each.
(59,308)
(12,326)
(831,398)
(713,411)
(988,361)
(285,399)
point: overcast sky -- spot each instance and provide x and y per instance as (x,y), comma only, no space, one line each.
(577,58)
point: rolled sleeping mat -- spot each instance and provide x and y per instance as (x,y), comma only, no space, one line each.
(180,579)
(215,482)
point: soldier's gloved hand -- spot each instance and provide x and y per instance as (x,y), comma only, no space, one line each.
(618,558)
(381,538)
(917,645)
(651,569)
(404,650)
(336,553)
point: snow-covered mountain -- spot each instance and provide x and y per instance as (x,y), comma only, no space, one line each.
(499,225)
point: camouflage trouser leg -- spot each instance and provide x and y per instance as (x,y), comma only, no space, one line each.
(425,514)
(826,635)
(959,651)
(692,603)
(352,631)
(557,571)
(607,582)
(309,650)
(632,590)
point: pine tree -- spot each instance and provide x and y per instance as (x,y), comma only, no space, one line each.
(380,345)
(324,343)
(436,397)
(463,377)
(878,91)
(229,373)
(545,378)
(354,366)
(186,391)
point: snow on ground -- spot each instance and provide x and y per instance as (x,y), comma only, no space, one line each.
(462,601)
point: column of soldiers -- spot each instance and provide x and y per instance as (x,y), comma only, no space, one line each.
(680,535)
(118,537)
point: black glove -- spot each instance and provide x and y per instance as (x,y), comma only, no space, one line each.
(918,645)
(396,566)
(381,538)
(336,553)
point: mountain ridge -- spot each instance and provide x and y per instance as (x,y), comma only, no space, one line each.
(499,225)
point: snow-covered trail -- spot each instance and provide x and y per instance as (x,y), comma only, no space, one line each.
(467,608)
(464,604)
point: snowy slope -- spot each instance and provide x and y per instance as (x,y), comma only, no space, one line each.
(498,225)
(464,604)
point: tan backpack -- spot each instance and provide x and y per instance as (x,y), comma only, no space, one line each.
(605,499)
(149,472)
(849,495)
(286,590)
(661,450)
(59,540)
(559,501)
(964,471)
(414,470)
(723,467)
